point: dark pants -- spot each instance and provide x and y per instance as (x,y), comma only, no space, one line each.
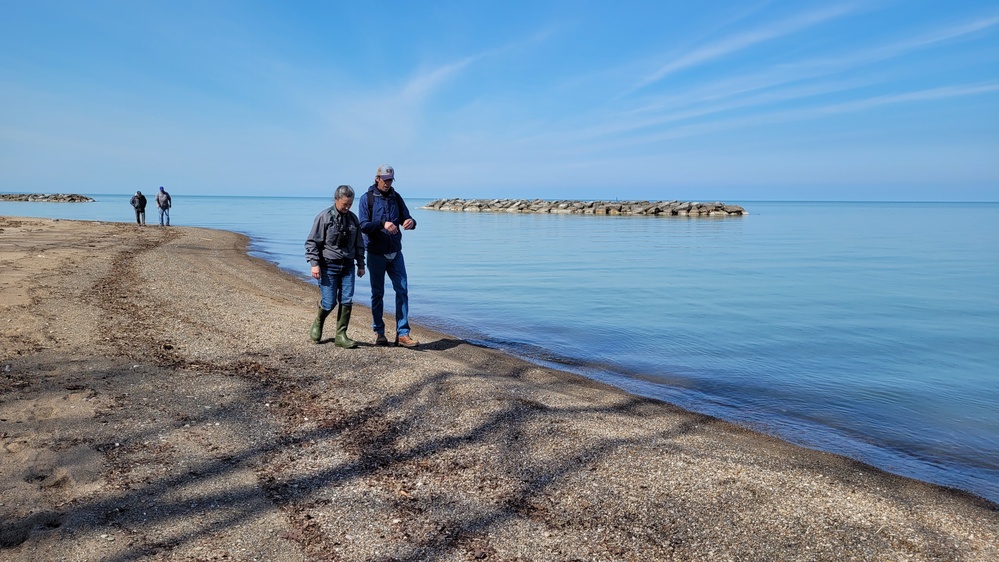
(140,216)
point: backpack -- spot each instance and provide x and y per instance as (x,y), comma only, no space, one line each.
(371,201)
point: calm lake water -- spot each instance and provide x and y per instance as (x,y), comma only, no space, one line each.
(865,329)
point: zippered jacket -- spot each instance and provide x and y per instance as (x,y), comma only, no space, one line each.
(382,208)
(321,245)
(163,200)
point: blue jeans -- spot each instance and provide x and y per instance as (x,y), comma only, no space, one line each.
(378,266)
(165,213)
(336,284)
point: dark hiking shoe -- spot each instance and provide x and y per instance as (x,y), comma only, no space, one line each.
(380,339)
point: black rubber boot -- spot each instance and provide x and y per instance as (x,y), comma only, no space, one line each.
(317,325)
(342,321)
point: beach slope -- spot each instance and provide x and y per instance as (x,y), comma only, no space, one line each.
(160,400)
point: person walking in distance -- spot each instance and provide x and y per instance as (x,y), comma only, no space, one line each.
(164,203)
(384,216)
(332,247)
(139,204)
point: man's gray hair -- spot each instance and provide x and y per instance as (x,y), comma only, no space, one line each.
(342,192)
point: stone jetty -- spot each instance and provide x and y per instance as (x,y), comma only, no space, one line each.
(572,207)
(46,197)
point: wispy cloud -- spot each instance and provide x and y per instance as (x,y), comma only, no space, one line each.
(416,90)
(426,82)
(397,116)
(792,72)
(744,40)
(917,96)
(892,50)
(800,114)
(789,82)
(620,124)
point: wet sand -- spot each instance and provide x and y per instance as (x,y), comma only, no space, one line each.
(160,400)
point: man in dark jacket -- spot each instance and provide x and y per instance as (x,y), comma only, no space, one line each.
(139,204)
(383,215)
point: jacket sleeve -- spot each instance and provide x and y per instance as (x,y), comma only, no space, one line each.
(316,240)
(404,212)
(364,216)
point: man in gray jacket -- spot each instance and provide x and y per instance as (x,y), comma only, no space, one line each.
(164,203)
(332,247)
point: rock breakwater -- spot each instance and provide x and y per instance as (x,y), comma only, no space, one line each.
(572,207)
(46,197)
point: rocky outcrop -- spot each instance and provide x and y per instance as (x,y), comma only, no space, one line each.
(643,208)
(46,197)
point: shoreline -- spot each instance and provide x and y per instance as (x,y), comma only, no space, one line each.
(164,401)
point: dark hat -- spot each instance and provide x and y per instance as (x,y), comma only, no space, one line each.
(161,188)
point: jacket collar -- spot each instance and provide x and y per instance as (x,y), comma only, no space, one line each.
(377,191)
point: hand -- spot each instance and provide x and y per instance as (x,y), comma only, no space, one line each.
(409,224)
(360,271)
(315,272)
(391,228)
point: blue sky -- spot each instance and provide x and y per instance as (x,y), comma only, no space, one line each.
(713,100)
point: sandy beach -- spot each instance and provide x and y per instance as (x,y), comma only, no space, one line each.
(161,400)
